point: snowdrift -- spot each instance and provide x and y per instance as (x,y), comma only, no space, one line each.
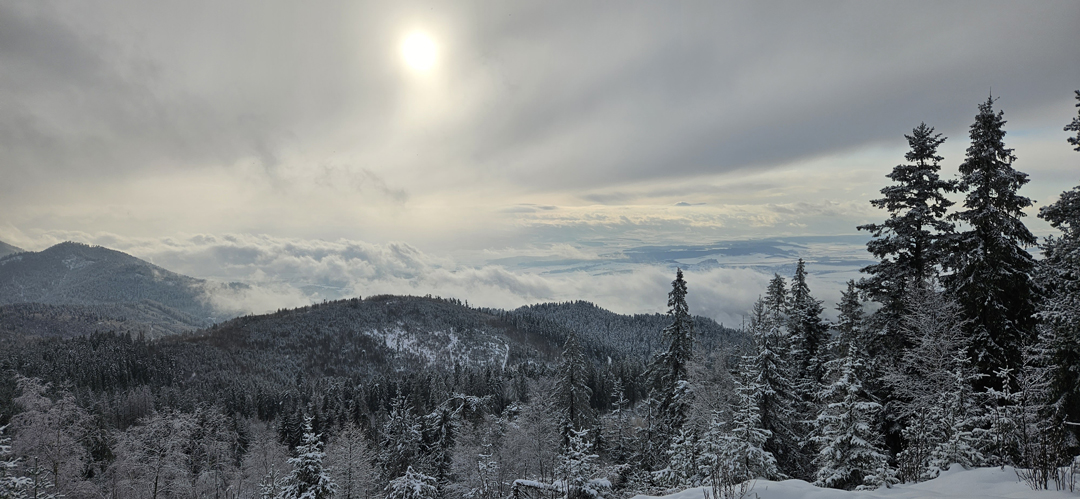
(957,483)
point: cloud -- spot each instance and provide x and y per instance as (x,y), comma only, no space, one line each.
(548,97)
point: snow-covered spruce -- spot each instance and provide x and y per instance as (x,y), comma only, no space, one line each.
(309,479)
(992,278)
(850,455)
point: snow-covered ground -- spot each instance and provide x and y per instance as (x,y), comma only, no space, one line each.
(978,483)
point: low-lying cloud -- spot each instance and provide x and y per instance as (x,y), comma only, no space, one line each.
(286,273)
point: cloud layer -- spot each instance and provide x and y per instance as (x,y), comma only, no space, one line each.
(284,273)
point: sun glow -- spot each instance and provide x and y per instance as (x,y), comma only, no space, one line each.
(419,51)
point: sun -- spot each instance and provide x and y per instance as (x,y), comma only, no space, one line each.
(419,51)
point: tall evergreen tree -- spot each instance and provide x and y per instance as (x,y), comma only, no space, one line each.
(401,439)
(573,390)
(1075,127)
(777,398)
(992,278)
(776,303)
(807,329)
(671,368)
(911,243)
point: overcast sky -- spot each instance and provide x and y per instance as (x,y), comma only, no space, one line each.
(267,140)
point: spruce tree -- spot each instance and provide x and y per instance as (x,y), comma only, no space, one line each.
(309,480)
(401,439)
(849,323)
(572,388)
(671,368)
(1058,275)
(911,243)
(776,399)
(412,485)
(577,467)
(776,303)
(735,452)
(847,433)
(1075,127)
(992,277)
(808,331)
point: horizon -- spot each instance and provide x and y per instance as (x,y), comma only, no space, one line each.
(507,154)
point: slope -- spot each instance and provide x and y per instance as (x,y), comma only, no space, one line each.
(92,283)
(7,249)
(957,483)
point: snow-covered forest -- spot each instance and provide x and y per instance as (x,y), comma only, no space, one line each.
(959,347)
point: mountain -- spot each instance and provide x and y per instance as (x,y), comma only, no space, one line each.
(367,348)
(628,335)
(7,249)
(423,332)
(81,288)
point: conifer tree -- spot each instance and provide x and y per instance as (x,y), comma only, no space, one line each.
(846,431)
(776,398)
(1058,274)
(577,467)
(849,323)
(401,439)
(12,486)
(671,368)
(618,427)
(683,461)
(992,278)
(776,304)
(309,480)
(911,243)
(808,330)
(412,485)
(1075,127)
(573,390)
(735,452)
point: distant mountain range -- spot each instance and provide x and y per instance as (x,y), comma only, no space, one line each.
(72,288)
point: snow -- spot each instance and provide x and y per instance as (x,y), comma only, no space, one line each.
(73,262)
(957,483)
(445,347)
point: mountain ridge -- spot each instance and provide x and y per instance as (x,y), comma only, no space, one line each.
(7,249)
(80,280)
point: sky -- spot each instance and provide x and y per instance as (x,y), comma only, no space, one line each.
(536,151)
